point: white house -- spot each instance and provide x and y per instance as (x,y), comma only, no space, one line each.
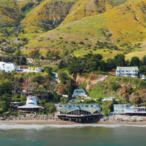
(128,109)
(31,104)
(79,93)
(131,71)
(108,99)
(7,67)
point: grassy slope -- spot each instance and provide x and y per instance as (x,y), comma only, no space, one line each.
(9,16)
(12,11)
(48,15)
(84,8)
(120,22)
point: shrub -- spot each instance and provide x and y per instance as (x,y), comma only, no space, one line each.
(106,111)
(115,86)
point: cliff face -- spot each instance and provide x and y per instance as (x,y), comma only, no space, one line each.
(90,81)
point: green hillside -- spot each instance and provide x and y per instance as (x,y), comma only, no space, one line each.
(48,15)
(84,8)
(9,16)
(121,29)
(108,27)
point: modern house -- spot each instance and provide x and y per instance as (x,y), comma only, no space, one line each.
(78,112)
(123,109)
(7,67)
(31,105)
(127,71)
(79,93)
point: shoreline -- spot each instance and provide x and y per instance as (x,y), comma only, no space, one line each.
(63,123)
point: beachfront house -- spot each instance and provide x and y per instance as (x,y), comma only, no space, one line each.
(31,105)
(123,109)
(7,66)
(127,71)
(79,93)
(78,112)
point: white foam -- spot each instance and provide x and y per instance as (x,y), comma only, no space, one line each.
(40,127)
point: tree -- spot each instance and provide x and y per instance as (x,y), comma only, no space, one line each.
(50,107)
(34,54)
(47,70)
(76,66)
(124,92)
(4,106)
(120,60)
(144,60)
(23,98)
(103,65)
(143,94)
(111,63)
(98,56)
(5,97)
(135,61)
(56,97)
(16,98)
(93,66)
(106,110)
(70,86)
(5,87)
(39,79)
(63,77)
(134,98)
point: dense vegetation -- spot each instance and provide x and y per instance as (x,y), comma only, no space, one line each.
(95,62)
(74,37)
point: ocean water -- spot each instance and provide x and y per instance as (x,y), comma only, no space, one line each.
(72,135)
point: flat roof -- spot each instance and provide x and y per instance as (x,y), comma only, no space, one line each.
(29,106)
(127,67)
(81,104)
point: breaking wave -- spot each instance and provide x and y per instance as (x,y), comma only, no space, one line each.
(41,127)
